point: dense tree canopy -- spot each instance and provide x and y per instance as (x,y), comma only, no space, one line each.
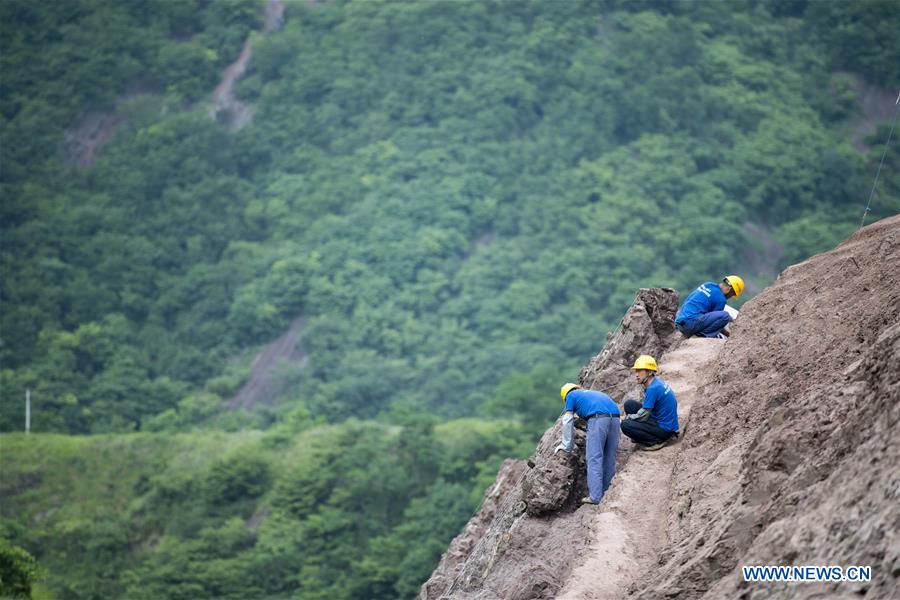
(449,193)
(452,202)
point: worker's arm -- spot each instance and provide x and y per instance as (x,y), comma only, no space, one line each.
(650,397)
(640,415)
(568,433)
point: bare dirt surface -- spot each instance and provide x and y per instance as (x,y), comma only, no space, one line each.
(629,528)
(796,460)
(83,142)
(226,107)
(790,454)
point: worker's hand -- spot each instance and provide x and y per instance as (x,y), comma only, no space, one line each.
(563,448)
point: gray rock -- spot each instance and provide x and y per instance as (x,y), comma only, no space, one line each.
(537,530)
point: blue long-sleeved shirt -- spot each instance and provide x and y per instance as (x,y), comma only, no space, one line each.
(708,297)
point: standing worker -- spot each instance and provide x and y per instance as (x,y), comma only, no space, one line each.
(650,424)
(702,312)
(602,416)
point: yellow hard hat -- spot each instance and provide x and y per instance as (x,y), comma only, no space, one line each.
(736,283)
(645,361)
(565,389)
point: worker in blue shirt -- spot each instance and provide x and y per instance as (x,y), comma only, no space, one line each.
(702,312)
(602,416)
(652,423)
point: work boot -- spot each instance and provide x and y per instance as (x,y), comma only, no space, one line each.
(588,500)
(654,447)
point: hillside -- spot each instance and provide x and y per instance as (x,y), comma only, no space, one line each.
(789,456)
(357,509)
(448,196)
(286,282)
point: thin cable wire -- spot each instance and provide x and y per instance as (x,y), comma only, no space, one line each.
(883,154)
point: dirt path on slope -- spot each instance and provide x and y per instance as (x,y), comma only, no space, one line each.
(226,108)
(629,527)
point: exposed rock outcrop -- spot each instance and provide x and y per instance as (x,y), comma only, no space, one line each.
(647,328)
(791,456)
(260,388)
(507,483)
(523,552)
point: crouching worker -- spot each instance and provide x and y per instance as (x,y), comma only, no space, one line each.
(602,416)
(703,311)
(652,423)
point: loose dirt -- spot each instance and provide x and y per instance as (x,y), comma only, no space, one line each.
(796,460)
(790,454)
(226,108)
(629,527)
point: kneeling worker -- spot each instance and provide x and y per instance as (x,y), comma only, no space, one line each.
(602,416)
(651,424)
(702,312)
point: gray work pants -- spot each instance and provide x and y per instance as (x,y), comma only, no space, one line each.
(602,444)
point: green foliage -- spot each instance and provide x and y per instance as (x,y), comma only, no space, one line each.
(19,571)
(440,512)
(860,36)
(440,228)
(348,511)
(60,59)
(235,477)
(207,566)
(811,235)
(450,203)
(528,397)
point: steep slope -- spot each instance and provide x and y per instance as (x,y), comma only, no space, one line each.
(536,533)
(626,531)
(789,457)
(795,459)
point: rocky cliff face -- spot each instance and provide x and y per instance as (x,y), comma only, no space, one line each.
(791,456)
(534,534)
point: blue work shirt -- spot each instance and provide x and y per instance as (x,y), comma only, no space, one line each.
(659,399)
(706,298)
(585,403)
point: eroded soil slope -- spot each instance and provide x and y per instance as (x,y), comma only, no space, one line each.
(793,453)
(790,456)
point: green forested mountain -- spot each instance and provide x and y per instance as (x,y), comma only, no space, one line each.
(454,202)
(358,509)
(449,193)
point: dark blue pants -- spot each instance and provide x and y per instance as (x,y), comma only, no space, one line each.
(646,432)
(707,325)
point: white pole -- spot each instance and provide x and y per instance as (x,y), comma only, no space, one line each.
(27,411)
